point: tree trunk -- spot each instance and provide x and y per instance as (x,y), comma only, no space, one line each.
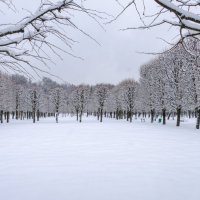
(131,116)
(117,114)
(101,115)
(38,115)
(17,107)
(198,118)
(178,111)
(127,115)
(152,115)
(34,105)
(98,114)
(7,117)
(80,117)
(56,117)
(164,116)
(77,115)
(169,115)
(33,116)
(1,116)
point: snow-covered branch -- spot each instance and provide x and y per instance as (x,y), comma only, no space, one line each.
(29,39)
(185,15)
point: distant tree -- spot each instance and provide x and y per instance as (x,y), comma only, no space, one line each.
(101,95)
(6,97)
(34,99)
(79,100)
(57,99)
(18,99)
(74,102)
(84,97)
(128,90)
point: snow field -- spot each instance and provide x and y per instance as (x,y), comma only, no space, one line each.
(114,160)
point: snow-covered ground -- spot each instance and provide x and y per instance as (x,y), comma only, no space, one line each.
(114,160)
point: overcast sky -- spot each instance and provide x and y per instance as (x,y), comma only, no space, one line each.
(117,57)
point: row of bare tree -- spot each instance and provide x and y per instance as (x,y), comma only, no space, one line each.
(169,86)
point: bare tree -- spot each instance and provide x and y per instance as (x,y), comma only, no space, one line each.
(57,98)
(193,75)
(84,96)
(25,42)
(101,95)
(183,14)
(128,95)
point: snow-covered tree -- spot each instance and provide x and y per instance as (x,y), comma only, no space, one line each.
(24,43)
(101,95)
(34,100)
(181,14)
(177,80)
(128,90)
(57,99)
(193,74)
(148,84)
(79,100)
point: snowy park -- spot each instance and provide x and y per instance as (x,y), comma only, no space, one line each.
(99,100)
(114,160)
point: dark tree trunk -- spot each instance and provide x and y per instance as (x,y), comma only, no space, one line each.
(80,117)
(101,115)
(131,116)
(57,112)
(1,116)
(33,115)
(117,114)
(152,115)
(127,115)
(178,112)
(164,116)
(38,115)
(34,105)
(198,119)
(77,115)
(17,115)
(56,117)
(7,117)
(98,114)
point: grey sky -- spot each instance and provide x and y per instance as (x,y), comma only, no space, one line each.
(117,57)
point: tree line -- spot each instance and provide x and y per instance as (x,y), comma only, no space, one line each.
(168,87)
